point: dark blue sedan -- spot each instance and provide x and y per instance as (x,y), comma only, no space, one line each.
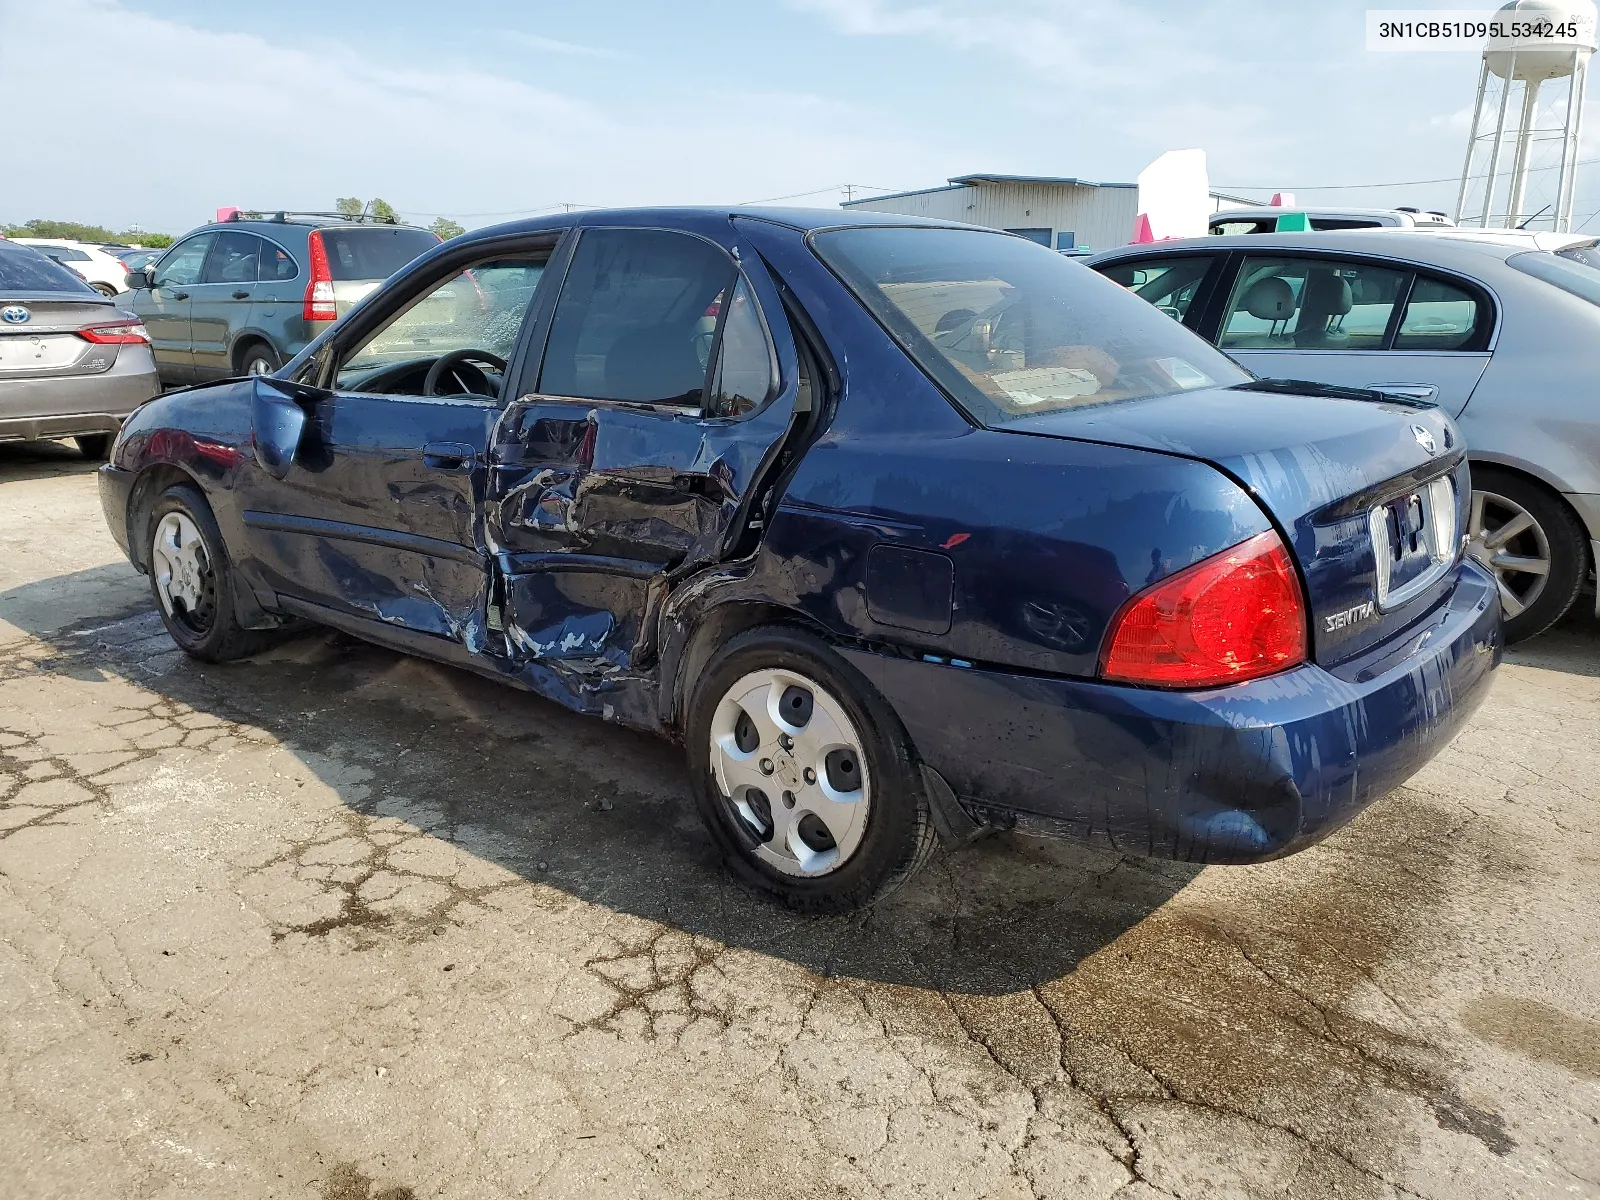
(906,529)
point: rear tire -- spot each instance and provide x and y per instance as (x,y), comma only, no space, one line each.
(96,447)
(1529,539)
(259,359)
(105,289)
(193,581)
(832,820)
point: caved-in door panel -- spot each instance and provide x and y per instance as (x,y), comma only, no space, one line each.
(659,407)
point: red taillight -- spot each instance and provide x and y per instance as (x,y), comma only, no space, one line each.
(319,291)
(114,333)
(1237,615)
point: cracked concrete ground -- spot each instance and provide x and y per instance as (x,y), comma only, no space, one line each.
(343,925)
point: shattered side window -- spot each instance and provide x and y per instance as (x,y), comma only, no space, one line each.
(482,308)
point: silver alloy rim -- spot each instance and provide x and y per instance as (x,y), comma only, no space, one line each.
(791,767)
(1505,538)
(181,567)
(258,366)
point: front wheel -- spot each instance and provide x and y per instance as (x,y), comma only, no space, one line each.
(804,775)
(1533,545)
(193,581)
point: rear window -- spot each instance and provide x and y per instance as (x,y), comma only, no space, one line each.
(1009,328)
(373,253)
(1575,269)
(24,271)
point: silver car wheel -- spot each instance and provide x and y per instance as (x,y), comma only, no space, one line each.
(792,770)
(1506,539)
(258,366)
(182,570)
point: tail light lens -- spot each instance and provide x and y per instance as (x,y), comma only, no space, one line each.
(1235,616)
(320,305)
(115,333)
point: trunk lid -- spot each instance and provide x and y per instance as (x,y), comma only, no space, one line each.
(1370,492)
(47,343)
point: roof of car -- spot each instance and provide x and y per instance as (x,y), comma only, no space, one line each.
(805,219)
(1445,247)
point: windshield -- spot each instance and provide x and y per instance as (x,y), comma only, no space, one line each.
(1575,269)
(1010,328)
(25,271)
(373,253)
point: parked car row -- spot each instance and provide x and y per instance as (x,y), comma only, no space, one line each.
(96,265)
(1492,327)
(906,529)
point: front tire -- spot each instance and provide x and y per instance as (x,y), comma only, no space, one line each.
(1531,542)
(193,581)
(804,775)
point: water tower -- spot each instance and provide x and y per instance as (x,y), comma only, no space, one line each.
(1549,74)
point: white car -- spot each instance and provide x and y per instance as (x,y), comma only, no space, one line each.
(101,270)
(1265,219)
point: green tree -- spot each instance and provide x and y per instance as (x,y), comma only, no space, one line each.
(447,229)
(348,206)
(77,231)
(383,211)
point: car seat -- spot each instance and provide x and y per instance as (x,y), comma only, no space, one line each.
(1271,300)
(1327,300)
(654,365)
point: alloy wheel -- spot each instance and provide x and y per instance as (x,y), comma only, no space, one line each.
(183,574)
(1509,542)
(792,771)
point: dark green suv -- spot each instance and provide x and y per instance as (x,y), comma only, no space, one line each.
(243,296)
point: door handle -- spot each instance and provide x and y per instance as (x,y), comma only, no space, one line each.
(449,456)
(241,295)
(1411,391)
(180,295)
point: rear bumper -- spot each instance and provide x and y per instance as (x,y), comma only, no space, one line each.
(1235,775)
(64,405)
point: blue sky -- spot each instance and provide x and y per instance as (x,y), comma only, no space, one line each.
(482,108)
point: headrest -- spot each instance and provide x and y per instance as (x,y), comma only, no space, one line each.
(1328,294)
(1270,299)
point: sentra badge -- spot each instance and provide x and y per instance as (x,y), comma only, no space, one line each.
(1349,616)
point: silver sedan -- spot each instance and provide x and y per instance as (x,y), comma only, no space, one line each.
(1497,328)
(72,364)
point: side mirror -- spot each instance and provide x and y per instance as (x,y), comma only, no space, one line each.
(277,423)
(139,279)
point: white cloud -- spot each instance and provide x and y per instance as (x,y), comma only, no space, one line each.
(210,119)
(551,46)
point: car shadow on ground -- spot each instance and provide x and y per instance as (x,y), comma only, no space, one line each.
(1568,646)
(40,460)
(604,813)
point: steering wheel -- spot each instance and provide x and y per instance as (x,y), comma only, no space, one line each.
(446,362)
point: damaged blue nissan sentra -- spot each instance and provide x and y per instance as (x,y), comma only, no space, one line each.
(907,529)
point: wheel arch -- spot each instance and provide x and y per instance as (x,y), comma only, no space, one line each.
(244,340)
(684,656)
(1539,479)
(147,485)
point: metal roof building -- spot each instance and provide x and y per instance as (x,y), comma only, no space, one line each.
(1058,212)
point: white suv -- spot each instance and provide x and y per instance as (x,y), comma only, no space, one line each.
(101,270)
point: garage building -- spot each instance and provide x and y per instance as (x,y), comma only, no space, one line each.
(1066,214)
